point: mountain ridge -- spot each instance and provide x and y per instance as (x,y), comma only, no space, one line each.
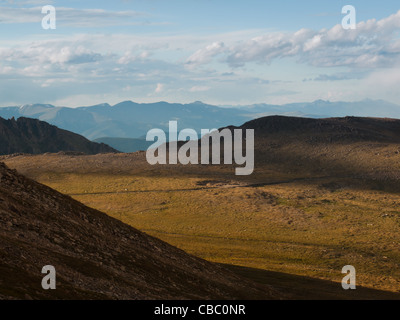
(26,135)
(130,119)
(337,128)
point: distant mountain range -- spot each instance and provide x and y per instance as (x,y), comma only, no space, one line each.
(128,119)
(326,109)
(32,136)
(132,120)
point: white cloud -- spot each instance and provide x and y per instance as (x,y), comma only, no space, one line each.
(156,65)
(383,84)
(159,88)
(373,44)
(41,55)
(205,55)
(199,88)
(130,57)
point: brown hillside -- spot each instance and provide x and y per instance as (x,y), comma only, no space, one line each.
(350,147)
(344,130)
(95,255)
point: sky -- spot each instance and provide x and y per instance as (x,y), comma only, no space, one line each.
(217,51)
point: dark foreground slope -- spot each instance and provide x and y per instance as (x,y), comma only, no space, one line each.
(96,256)
(33,136)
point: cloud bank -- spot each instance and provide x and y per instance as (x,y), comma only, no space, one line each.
(93,68)
(372,44)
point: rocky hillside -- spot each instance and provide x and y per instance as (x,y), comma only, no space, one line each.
(95,256)
(33,136)
(347,129)
(362,148)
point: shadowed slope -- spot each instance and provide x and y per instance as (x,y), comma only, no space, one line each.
(340,130)
(96,256)
(351,147)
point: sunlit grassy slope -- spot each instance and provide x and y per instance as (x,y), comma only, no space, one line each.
(310,227)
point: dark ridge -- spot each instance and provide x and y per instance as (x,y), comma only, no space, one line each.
(33,136)
(345,129)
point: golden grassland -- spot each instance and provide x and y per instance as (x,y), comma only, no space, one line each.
(301,227)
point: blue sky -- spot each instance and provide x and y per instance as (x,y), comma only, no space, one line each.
(220,52)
